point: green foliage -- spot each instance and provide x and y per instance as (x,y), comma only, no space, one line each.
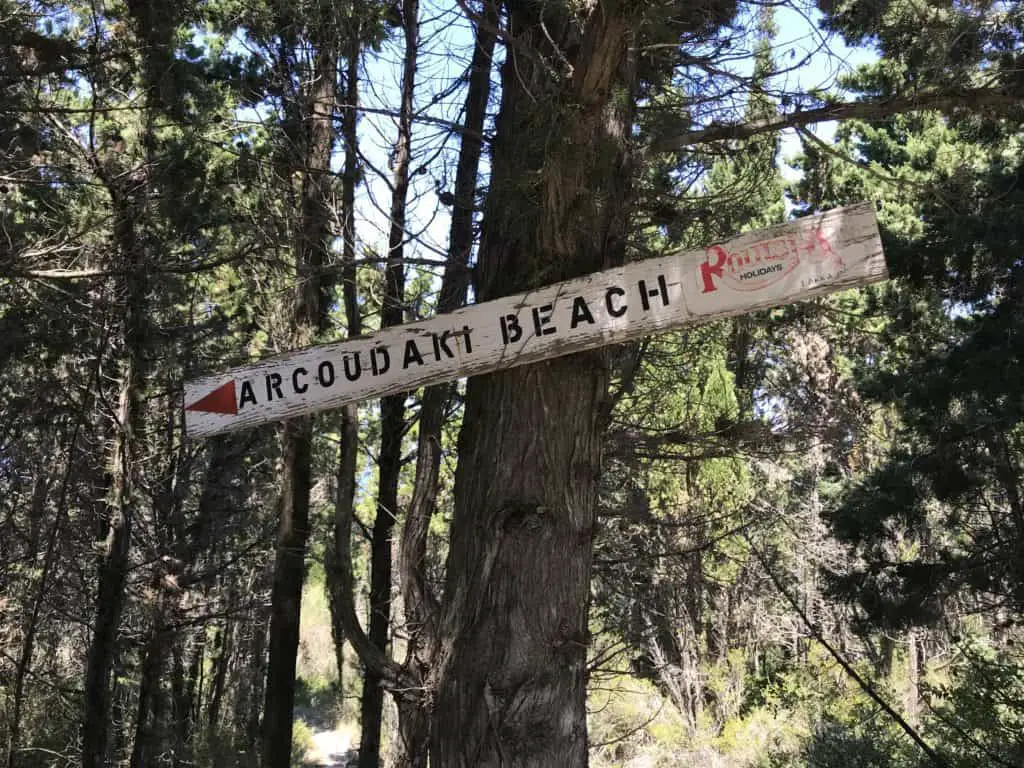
(898,409)
(830,722)
(978,718)
(951,373)
(931,508)
(628,718)
(302,744)
(974,719)
(216,748)
(936,45)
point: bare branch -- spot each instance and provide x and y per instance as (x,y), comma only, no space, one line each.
(865,686)
(372,657)
(944,101)
(421,605)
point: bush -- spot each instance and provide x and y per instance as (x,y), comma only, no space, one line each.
(302,744)
(629,718)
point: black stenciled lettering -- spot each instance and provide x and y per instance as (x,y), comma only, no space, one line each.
(273,386)
(542,320)
(469,342)
(297,386)
(663,289)
(412,354)
(352,372)
(247,395)
(646,294)
(441,345)
(325,373)
(580,312)
(511,331)
(609,295)
(380,360)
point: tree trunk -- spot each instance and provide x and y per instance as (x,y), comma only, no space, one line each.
(413,742)
(286,596)
(372,703)
(512,665)
(113,567)
(392,409)
(349,446)
(520,562)
(913,703)
(215,498)
(344,506)
(250,693)
(150,697)
(510,661)
(310,315)
(412,746)
(222,648)
(113,573)
(186,687)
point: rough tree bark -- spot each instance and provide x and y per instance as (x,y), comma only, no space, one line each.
(314,144)
(512,661)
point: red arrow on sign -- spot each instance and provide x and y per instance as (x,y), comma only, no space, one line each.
(221,400)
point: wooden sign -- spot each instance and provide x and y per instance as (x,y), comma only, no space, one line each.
(767,268)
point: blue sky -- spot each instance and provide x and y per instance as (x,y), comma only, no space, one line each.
(830,58)
(449,39)
(817,60)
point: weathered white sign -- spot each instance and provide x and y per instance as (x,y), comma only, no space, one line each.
(762,269)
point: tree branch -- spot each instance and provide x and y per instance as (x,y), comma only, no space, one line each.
(944,101)
(421,605)
(865,686)
(372,657)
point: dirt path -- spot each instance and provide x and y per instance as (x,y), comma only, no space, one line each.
(332,749)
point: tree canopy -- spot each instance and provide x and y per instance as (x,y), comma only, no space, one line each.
(788,538)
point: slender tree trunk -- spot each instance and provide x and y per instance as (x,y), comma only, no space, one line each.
(113,567)
(286,596)
(250,693)
(222,647)
(32,624)
(372,703)
(455,283)
(392,409)
(309,317)
(113,572)
(412,746)
(150,695)
(349,447)
(181,710)
(344,507)
(214,499)
(186,688)
(913,702)
(512,667)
